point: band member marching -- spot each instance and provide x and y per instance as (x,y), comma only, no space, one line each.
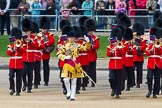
(28,57)
(61,41)
(129,64)
(154,51)
(15,51)
(49,47)
(157,23)
(115,51)
(39,46)
(72,68)
(123,22)
(138,29)
(92,53)
(83,56)
(81,40)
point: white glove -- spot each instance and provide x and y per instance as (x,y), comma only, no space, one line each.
(86,38)
(68,57)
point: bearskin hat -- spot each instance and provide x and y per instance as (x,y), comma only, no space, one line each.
(84,30)
(82,20)
(139,28)
(68,30)
(125,21)
(160,32)
(27,25)
(155,31)
(156,15)
(63,23)
(16,32)
(45,23)
(78,32)
(158,23)
(116,32)
(35,28)
(122,29)
(128,35)
(90,24)
(119,15)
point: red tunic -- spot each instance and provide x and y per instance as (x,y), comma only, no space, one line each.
(50,42)
(129,55)
(115,57)
(83,55)
(153,57)
(137,57)
(29,47)
(92,53)
(39,46)
(16,61)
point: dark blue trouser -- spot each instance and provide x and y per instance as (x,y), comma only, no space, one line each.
(139,67)
(46,70)
(115,80)
(37,74)
(154,74)
(28,71)
(18,79)
(130,77)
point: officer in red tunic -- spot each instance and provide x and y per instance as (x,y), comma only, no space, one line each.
(129,64)
(123,28)
(39,46)
(83,56)
(154,51)
(15,51)
(140,46)
(28,57)
(123,22)
(49,46)
(61,42)
(115,51)
(95,45)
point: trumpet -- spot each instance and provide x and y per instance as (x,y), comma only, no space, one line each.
(157,43)
(119,45)
(18,43)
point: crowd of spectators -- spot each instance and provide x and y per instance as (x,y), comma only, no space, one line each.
(80,7)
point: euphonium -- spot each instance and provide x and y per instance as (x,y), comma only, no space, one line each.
(18,43)
(157,43)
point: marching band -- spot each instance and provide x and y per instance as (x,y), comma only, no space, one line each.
(77,53)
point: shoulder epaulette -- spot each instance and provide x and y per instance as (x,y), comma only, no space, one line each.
(108,46)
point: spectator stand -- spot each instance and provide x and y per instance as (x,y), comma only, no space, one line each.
(102,26)
(140,18)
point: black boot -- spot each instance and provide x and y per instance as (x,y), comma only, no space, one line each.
(138,86)
(154,96)
(17,94)
(148,94)
(117,96)
(112,93)
(64,92)
(24,88)
(12,92)
(45,84)
(128,89)
(36,86)
(28,91)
